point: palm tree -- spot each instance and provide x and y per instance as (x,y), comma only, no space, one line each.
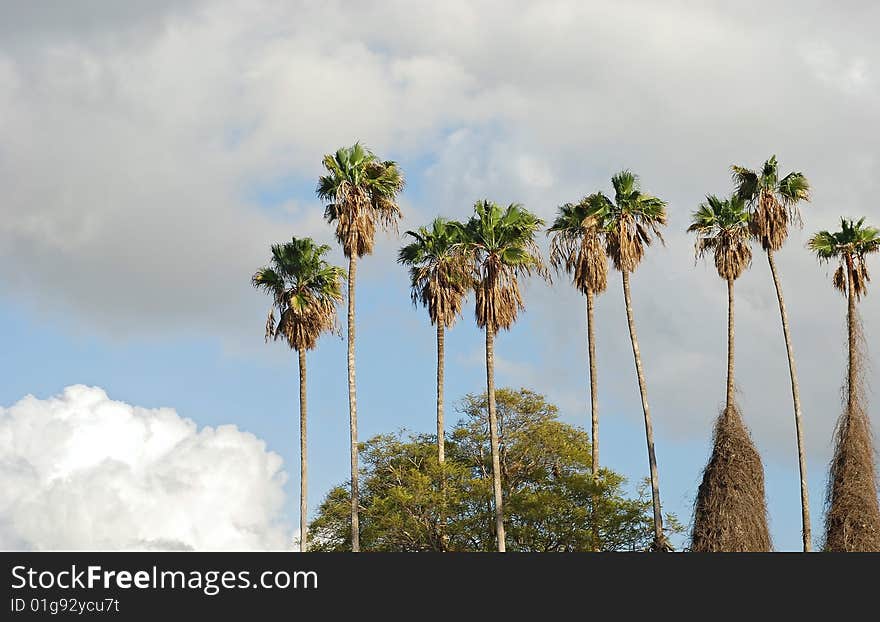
(577,247)
(731,509)
(439,282)
(361,193)
(774,205)
(501,244)
(853,518)
(628,222)
(305,290)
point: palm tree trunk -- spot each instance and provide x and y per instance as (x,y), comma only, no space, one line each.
(796,398)
(730,333)
(659,537)
(441,445)
(303,466)
(493,438)
(594,413)
(851,378)
(441,339)
(352,408)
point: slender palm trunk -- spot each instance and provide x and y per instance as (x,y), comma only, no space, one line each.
(659,537)
(352,409)
(441,445)
(303,465)
(441,340)
(594,413)
(730,333)
(493,438)
(796,398)
(852,363)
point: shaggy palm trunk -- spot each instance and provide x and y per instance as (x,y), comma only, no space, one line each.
(853,519)
(730,512)
(594,414)
(659,538)
(352,408)
(493,438)
(796,398)
(303,468)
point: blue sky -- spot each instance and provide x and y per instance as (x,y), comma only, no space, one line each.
(145,176)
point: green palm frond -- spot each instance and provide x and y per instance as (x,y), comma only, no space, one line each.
(500,246)
(850,246)
(722,228)
(360,192)
(773,202)
(439,275)
(630,222)
(304,288)
(577,245)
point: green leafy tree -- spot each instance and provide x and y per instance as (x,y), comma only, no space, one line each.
(500,243)
(360,191)
(629,221)
(548,487)
(852,521)
(773,202)
(577,246)
(305,290)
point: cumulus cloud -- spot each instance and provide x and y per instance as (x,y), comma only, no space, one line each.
(82,471)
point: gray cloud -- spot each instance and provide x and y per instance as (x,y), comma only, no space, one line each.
(126,162)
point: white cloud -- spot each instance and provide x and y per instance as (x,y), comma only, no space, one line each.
(82,471)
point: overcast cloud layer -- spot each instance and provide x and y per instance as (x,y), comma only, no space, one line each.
(137,143)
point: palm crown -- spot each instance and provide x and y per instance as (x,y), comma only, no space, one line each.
(304,289)
(773,201)
(850,246)
(629,221)
(576,246)
(722,228)
(501,243)
(361,192)
(438,275)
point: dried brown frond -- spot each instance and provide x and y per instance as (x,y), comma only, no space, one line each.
(731,253)
(852,515)
(582,255)
(861,278)
(769,223)
(625,246)
(839,279)
(498,299)
(441,288)
(301,328)
(730,512)
(355,223)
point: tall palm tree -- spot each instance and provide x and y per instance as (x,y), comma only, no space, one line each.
(361,194)
(774,206)
(439,282)
(577,246)
(731,509)
(853,517)
(304,290)
(629,222)
(501,244)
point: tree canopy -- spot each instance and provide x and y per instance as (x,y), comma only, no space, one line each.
(546,480)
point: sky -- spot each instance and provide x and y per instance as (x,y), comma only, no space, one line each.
(150,152)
